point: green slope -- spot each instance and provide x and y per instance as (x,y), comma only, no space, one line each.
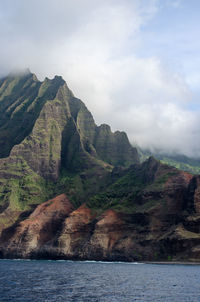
(50,144)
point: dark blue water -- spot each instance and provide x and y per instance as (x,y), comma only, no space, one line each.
(24,281)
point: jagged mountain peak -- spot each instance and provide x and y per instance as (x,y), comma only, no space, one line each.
(45,133)
(24,99)
(55,78)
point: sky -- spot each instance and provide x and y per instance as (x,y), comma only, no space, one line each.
(134,63)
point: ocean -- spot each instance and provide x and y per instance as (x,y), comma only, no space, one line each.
(42,281)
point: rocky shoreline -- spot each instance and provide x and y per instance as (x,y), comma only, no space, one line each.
(55,230)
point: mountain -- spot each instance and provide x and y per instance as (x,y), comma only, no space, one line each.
(73,190)
(50,144)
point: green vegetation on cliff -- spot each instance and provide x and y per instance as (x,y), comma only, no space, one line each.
(50,144)
(131,189)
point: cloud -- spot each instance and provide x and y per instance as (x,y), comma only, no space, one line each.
(94,45)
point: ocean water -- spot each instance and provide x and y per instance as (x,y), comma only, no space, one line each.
(42,281)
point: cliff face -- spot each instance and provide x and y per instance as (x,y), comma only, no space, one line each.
(107,205)
(40,227)
(114,148)
(48,145)
(158,219)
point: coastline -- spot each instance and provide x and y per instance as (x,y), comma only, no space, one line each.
(173,262)
(108,262)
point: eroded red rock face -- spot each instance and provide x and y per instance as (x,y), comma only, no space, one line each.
(108,231)
(77,219)
(86,237)
(40,227)
(76,232)
(165,224)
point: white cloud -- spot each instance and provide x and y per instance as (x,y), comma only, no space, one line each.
(93,44)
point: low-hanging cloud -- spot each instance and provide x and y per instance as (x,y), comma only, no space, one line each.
(94,45)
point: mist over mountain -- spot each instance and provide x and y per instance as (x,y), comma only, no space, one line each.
(179,161)
(134,63)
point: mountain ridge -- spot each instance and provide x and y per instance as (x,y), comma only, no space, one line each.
(56,137)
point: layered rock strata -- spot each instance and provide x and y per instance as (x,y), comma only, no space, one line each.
(161,222)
